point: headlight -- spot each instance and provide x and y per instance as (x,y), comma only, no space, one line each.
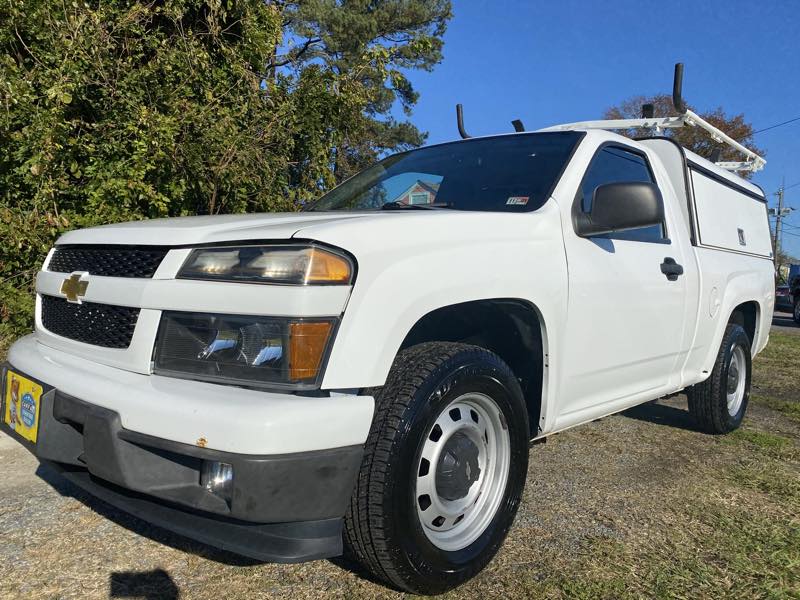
(298,265)
(265,351)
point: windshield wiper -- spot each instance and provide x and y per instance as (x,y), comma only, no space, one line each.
(400,206)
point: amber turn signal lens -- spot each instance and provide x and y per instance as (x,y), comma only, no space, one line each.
(307,343)
(327,267)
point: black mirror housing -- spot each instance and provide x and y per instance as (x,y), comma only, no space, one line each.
(620,207)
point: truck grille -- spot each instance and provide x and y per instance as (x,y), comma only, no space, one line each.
(107,261)
(90,322)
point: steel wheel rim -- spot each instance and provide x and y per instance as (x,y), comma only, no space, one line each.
(470,430)
(737,376)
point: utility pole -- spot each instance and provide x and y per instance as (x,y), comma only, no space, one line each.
(780,212)
(778,219)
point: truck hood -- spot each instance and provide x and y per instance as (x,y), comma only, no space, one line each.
(180,231)
(369,232)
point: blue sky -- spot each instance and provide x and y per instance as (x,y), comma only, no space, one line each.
(555,62)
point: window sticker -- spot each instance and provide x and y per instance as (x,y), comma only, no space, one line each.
(517,200)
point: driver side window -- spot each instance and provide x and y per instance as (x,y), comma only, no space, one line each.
(613,164)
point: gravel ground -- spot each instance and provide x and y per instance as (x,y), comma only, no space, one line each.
(617,480)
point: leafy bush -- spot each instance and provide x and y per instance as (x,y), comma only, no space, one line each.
(123,109)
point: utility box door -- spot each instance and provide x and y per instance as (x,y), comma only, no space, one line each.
(730,218)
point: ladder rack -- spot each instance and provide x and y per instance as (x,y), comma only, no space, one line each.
(753,162)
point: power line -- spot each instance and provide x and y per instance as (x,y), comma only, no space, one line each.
(778,125)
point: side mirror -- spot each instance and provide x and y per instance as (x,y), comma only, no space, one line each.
(619,207)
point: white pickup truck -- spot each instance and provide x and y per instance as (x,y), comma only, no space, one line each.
(368,373)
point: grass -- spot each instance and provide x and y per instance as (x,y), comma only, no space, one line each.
(790,408)
(738,538)
(734,533)
(770,444)
(762,439)
(776,374)
(726,553)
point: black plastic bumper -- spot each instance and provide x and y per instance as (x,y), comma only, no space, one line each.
(283,508)
(272,542)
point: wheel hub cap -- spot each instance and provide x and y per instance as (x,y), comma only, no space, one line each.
(458,467)
(733,377)
(462,471)
(737,380)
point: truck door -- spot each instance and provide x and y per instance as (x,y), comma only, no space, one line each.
(625,315)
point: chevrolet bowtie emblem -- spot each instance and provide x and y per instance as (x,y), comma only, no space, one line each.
(74,287)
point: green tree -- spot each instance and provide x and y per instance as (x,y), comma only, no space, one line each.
(126,109)
(693,138)
(395,35)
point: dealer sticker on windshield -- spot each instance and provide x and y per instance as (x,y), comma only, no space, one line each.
(517,200)
(23,399)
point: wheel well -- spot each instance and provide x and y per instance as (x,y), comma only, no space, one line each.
(746,315)
(509,328)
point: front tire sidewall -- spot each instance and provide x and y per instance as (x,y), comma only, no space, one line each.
(442,568)
(796,312)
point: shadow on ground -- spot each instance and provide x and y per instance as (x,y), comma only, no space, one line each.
(662,414)
(150,585)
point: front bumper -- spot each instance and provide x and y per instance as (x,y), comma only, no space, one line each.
(222,417)
(284,507)
(280,542)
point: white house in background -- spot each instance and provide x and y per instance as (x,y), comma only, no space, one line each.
(421,192)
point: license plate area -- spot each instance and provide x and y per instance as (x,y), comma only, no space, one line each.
(22,405)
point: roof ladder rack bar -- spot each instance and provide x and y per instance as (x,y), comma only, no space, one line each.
(752,162)
(460,122)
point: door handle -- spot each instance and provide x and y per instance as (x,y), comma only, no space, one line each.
(671,269)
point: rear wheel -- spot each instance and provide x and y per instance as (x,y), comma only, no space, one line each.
(444,468)
(719,403)
(796,312)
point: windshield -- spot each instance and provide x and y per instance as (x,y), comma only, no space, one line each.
(512,173)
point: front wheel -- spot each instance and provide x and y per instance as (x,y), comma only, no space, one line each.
(718,404)
(444,468)
(796,311)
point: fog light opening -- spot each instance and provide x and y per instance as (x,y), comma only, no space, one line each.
(217,478)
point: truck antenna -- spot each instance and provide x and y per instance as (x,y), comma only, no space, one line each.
(518,126)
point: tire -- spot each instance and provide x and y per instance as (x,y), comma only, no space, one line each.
(796,311)
(712,404)
(390,528)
